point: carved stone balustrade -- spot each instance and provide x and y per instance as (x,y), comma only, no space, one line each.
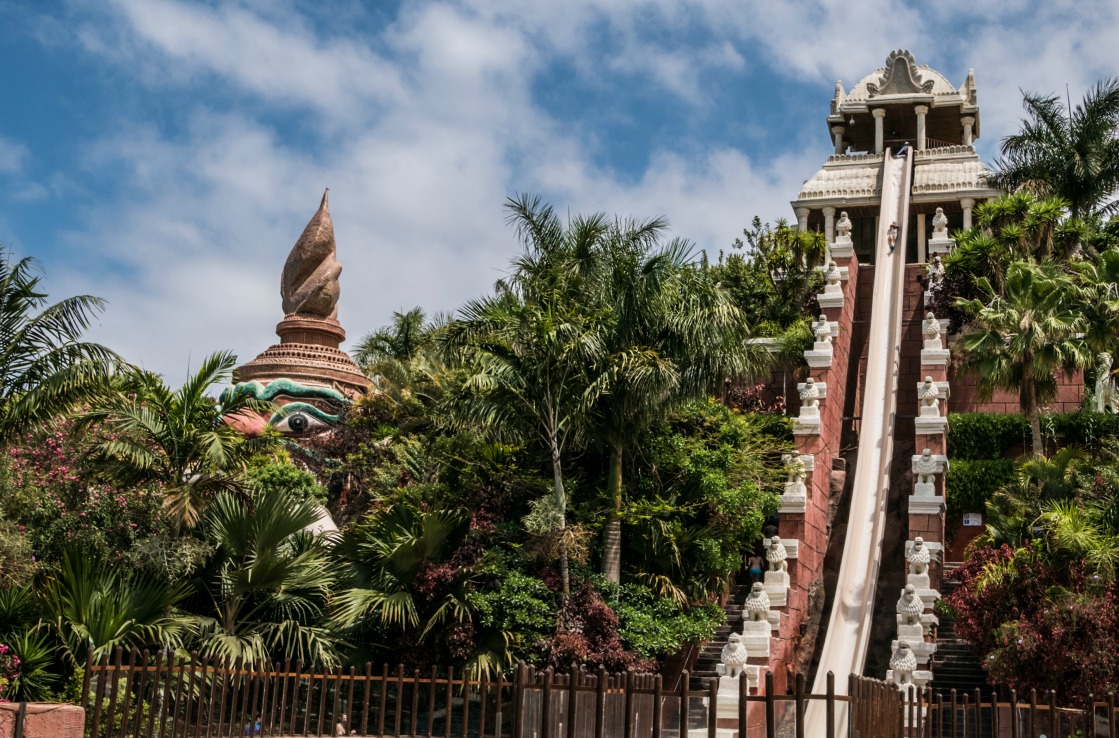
(811,393)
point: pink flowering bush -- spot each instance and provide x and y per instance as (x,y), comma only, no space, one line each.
(9,670)
(51,500)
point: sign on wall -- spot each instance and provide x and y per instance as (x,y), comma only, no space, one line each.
(973,519)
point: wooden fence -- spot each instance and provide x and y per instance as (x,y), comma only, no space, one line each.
(140,695)
(971,715)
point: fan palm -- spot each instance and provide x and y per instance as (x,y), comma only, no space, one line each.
(268,580)
(1013,228)
(44,368)
(1013,510)
(1068,153)
(89,605)
(181,439)
(1020,339)
(386,553)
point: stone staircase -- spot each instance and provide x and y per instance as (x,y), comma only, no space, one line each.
(955,665)
(711,654)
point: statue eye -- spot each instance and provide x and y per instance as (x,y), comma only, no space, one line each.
(298,423)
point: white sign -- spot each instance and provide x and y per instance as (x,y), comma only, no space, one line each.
(973,519)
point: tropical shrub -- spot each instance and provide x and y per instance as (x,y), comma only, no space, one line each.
(654,627)
(1037,625)
(47,494)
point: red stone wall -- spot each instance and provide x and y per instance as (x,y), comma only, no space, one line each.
(965,396)
(43,720)
(810,528)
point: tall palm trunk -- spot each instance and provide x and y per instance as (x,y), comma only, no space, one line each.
(561,505)
(612,535)
(1029,404)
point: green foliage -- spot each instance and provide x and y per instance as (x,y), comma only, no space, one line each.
(985,435)
(45,370)
(36,655)
(520,605)
(1023,334)
(91,605)
(971,483)
(657,626)
(1083,427)
(712,481)
(179,438)
(268,581)
(70,691)
(1068,152)
(772,277)
(281,475)
(44,492)
(17,560)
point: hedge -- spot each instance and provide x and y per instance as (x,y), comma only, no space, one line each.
(970,484)
(985,435)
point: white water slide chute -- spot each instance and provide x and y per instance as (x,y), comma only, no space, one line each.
(850,622)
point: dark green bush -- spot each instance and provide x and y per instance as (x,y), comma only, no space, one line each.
(985,435)
(1083,427)
(970,483)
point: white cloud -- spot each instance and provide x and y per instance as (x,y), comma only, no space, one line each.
(422,129)
(12,156)
(284,63)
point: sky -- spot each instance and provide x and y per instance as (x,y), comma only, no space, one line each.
(165,155)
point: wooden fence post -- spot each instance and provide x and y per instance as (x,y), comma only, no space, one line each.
(829,718)
(770,707)
(712,708)
(685,702)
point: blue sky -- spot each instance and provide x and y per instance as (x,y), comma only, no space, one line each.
(166,154)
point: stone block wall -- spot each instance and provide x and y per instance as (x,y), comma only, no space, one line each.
(42,720)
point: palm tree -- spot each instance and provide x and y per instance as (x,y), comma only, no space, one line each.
(402,359)
(1068,153)
(530,348)
(388,350)
(671,335)
(1099,283)
(268,580)
(44,368)
(89,605)
(1013,510)
(1020,339)
(181,439)
(1013,228)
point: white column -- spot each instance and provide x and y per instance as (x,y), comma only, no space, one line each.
(967,122)
(829,224)
(922,110)
(921,238)
(837,134)
(802,219)
(879,125)
(967,204)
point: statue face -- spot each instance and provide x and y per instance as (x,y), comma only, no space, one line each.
(304,409)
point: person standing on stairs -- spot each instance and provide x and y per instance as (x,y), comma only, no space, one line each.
(754,567)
